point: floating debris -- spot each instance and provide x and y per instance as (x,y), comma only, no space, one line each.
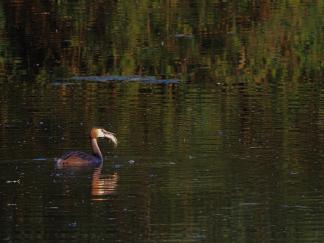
(249,204)
(13,181)
(53,207)
(184,36)
(117,78)
(11,204)
(72,225)
(40,159)
(117,166)
(131,162)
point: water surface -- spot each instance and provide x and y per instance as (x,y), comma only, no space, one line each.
(231,152)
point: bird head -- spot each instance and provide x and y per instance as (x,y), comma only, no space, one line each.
(102,133)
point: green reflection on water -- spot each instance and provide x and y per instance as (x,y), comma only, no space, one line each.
(235,154)
(189,40)
(210,164)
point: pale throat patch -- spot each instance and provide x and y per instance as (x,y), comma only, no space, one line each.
(100,134)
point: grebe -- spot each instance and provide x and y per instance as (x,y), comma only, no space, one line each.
(78,158)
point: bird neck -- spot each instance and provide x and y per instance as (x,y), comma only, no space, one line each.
(95,148)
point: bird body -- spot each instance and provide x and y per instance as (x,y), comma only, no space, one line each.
(79,159)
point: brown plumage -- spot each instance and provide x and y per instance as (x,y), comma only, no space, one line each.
(78,158)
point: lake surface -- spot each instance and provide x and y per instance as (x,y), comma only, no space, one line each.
(218,108)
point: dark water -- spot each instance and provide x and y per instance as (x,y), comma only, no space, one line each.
(218,108)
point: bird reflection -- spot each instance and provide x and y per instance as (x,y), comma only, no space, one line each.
(95,181)
(103,184)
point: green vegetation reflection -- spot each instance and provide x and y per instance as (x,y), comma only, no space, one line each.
(213,41)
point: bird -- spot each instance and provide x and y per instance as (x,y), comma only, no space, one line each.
(81,159)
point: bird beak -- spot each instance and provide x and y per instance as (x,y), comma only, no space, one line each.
(111,137)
